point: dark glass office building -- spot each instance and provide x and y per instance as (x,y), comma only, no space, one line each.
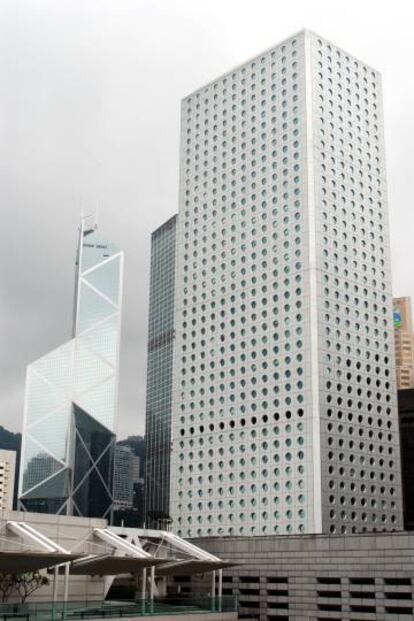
(159,374)
(406,416)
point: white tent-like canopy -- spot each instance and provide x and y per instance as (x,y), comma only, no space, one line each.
(119,550)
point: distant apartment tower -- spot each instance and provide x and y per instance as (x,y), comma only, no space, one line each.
(159,373)
(284,412)
(126,476)
(7,470)
(71,395)
(404,346)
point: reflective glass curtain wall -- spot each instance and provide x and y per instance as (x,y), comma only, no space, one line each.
(159,373)
(71,396)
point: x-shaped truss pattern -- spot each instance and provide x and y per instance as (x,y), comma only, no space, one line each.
(71,395)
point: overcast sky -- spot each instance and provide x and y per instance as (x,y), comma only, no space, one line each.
(89,114)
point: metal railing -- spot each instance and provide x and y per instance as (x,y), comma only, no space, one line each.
(74,610)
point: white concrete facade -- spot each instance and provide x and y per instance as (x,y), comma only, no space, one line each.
(7,473)
(284,415)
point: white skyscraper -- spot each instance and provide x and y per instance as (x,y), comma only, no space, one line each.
(284,415)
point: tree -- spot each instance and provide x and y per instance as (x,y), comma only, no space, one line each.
(6,586)
(28,583)
(22,584)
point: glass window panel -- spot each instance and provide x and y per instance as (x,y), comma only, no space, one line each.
(92,308)
(55,487)
(92,498)
(106,279)
(104,340)
(38,465)
(89,369)
(100,403)
(52,432)
(96,249)
(42,397)
(56,367)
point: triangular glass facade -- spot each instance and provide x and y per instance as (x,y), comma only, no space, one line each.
(71,396)
(105,278)
(94,455)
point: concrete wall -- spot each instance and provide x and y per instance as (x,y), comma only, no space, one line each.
(203,616)
(310,578)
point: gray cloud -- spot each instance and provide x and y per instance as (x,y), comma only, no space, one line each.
(89,113)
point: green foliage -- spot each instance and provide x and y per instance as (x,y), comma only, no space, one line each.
(6,586)
(22,585)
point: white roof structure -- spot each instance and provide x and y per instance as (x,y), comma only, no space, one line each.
(46,553)
(177,556)
(119,550)
(126,557)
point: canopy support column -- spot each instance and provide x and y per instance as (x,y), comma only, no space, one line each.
(55,582)
(220,587)
(66,583)
(152,583)
(143,588)
(152,588)
(213,590)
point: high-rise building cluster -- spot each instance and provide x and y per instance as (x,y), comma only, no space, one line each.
(275,350)
(271,395)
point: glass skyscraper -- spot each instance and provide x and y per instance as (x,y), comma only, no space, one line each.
(159,373)
(71,395)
